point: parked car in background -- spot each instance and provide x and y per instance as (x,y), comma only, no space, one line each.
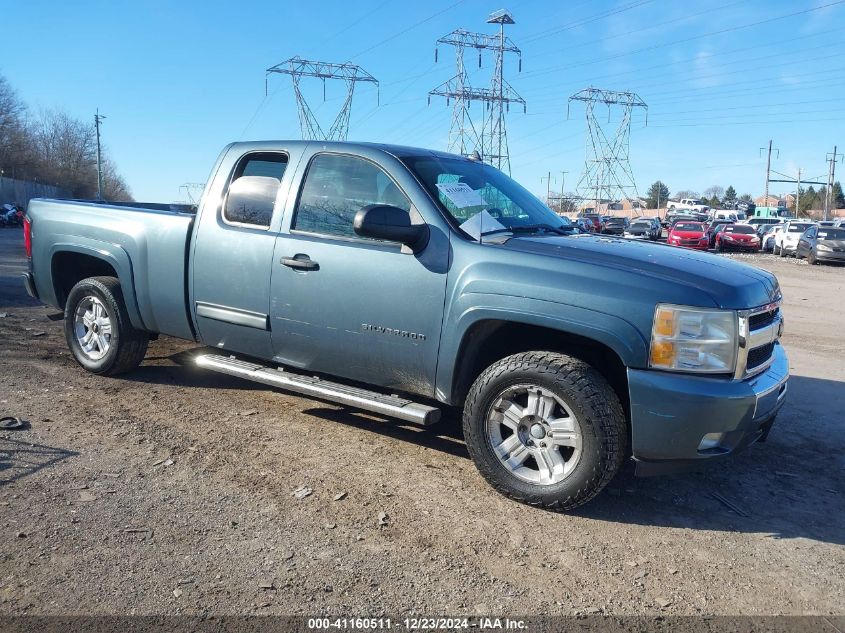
(822,244)
(840,222)
(762,222)
(583,224)
(595,219)
(712,229)
(787,240)
(747,207)
(737,237)
(721,214)
(11,215)
(826,223)
(646,228)
(616,225)
(688,235)
(693,204)
(767,239)
(673,215)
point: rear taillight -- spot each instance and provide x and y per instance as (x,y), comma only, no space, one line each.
(27,237)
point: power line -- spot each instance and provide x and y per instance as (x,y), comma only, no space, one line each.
(410,28)
(686,40)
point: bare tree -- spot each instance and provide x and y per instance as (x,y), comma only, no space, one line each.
(53,148)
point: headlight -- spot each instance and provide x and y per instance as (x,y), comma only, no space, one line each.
(693,339)
(823,247)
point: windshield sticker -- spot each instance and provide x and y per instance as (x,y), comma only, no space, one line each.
(481,222)
(461,194)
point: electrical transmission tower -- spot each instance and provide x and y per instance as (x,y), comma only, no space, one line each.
(193,191)
(607,167)
(486,135)
(298,68)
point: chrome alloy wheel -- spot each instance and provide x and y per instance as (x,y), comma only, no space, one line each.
(92,327)
(535,435)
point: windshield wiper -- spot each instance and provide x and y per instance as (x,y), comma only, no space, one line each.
(529,228)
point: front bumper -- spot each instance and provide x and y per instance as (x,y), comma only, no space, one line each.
(830,256)
(740,246)
(679,422)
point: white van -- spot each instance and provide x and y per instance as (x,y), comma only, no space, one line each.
(724,214)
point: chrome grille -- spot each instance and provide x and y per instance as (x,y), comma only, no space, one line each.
(759,333)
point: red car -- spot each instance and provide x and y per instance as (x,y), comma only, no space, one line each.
(737,237)
(594,222)
(688,235)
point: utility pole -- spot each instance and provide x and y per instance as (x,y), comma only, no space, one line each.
(98,118)
(831,178)
(798,192)
(548,180)
(562,181)
(769,168)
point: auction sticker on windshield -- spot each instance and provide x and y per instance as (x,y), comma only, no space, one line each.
(461,194)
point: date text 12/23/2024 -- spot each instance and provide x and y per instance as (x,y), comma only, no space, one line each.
(416,624)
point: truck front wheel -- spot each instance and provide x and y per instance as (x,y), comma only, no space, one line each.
(98,330)
(545,429)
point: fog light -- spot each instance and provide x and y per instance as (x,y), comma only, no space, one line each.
(710,441)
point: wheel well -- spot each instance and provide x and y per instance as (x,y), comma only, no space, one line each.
(491,340)
(69,268)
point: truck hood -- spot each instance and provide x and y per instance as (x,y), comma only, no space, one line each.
(726,283)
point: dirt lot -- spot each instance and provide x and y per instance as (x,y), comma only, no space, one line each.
(170,490)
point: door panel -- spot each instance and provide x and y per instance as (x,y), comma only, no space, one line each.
(233,257)
(364,309)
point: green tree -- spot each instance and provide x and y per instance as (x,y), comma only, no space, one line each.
(838,196)
(657,195)
(809,200)
(746,197)
(730,195)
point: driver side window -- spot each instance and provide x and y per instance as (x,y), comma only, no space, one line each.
(336,187)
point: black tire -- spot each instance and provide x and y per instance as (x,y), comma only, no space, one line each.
(587,394)
(782,252)
(811,258)
(127,346)
(775,250)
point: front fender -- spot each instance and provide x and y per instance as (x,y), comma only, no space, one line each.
(113,254)
(610,330)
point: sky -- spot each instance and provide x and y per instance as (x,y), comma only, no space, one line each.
(179,80)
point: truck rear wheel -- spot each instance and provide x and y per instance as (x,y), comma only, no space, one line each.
(545,429)
(98,330)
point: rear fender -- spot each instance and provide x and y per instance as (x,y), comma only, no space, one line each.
(114,255)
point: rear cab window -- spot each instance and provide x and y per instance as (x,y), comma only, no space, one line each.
(251,195)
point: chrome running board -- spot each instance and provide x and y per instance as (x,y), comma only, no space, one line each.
(392,406)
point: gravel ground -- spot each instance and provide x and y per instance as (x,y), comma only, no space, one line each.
(172,491)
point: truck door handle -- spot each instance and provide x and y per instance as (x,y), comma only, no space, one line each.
(300,261)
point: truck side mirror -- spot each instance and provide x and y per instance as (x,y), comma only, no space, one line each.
(250,200)
(384,222)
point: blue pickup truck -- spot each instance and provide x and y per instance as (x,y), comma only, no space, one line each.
(406,281)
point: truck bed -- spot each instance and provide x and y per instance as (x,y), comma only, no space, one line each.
(146,244)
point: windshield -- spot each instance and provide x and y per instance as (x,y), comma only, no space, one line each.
(798,228)
(641,223)
(739,228)
(832,234)
(616,221)
(689,226)
(480,198)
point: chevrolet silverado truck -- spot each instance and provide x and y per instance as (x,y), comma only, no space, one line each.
(405,282)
